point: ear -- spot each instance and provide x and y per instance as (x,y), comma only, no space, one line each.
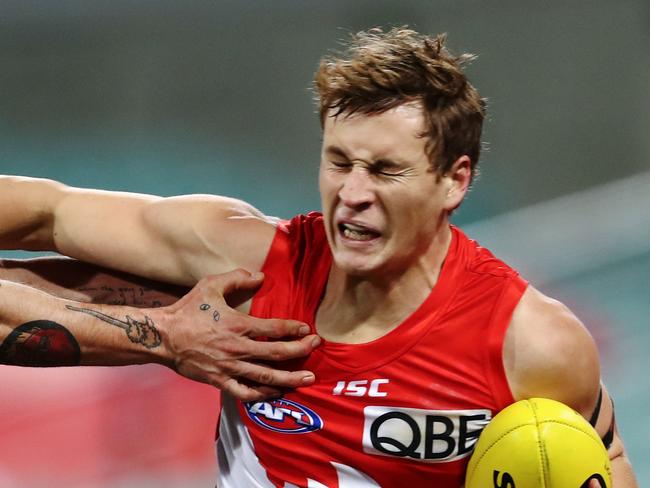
(457,180)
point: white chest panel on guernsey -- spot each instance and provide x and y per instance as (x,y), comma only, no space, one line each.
(239,466)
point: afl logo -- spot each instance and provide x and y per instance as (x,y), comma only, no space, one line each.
(284,416)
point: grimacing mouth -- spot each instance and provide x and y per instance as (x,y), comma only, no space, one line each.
(357,232)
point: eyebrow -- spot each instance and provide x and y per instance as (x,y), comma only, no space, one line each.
(382,162)
(337,151)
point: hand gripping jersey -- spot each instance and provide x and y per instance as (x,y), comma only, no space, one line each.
(403,410)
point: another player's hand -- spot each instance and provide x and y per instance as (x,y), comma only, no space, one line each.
(211,342)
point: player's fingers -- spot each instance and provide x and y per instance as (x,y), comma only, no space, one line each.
(282,350)
(276,328)
(264,375)
(250,393)
(237,279)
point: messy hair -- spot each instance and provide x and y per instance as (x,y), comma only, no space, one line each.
(381,70)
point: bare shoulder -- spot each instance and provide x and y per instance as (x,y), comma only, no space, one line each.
(549,353)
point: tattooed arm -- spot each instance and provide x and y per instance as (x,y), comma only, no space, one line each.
(76,280)
(199,336)
(37,329)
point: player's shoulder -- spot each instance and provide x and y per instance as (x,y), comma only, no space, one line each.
(478,259)
(309,221)
(303,229)
(548,352)
(301,241)
(212,234)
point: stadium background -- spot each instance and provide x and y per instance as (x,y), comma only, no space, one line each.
(171,97)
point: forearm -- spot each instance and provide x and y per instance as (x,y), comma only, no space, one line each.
(37,329)
(27,207)
(622,473)
(76,280)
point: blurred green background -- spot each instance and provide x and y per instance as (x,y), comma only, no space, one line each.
(172,97)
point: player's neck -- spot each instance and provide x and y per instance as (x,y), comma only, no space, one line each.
(361,309)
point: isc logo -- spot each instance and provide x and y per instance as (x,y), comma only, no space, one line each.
(360,388)
(430,436)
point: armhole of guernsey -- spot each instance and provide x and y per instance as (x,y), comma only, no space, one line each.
(274,265)
(512,292)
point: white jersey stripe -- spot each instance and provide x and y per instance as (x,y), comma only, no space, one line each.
(238,463)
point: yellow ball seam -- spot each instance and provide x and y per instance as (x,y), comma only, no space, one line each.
(543,457)
(494,444)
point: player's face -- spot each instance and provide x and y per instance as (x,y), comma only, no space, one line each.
(383,203)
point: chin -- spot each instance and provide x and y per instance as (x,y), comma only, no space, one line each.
(359,266)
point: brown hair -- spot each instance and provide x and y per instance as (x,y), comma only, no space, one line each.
(381,70)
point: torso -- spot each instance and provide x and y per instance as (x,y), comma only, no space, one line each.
(397,411)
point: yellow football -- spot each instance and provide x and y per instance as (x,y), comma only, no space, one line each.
(538,443)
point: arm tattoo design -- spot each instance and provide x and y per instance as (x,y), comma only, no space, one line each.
(40,343)
(138,332)
(123,295)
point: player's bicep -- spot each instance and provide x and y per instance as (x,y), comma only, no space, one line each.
(176,239)
(216,234)
(549,353)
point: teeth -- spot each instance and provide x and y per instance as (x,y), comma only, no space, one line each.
(357,232)
(355,227)
(356,235)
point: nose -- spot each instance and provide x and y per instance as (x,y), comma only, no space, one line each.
(356,191)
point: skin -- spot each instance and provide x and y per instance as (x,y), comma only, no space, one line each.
(375,174)
(547,350)
(199,336)
(83,282)
(385,264)
(549,353)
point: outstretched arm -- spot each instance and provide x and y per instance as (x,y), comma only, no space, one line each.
(199,336)
(175,240)
(549,353)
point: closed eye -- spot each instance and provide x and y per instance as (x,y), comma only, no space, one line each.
(391,173)
(387,167)
(390,170)
(341,165)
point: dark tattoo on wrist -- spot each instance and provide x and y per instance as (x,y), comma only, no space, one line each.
(123,295)
(138,332)
(40,343)
(204,306)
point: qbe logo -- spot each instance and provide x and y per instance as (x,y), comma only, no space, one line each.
(284,416)
(430,436)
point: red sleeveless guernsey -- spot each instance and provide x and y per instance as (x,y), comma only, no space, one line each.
(403,410)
